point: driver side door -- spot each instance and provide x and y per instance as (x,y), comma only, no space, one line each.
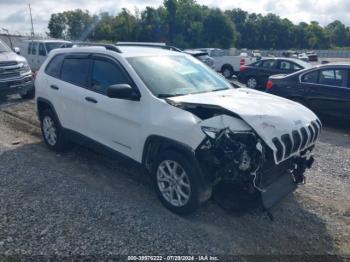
(115,123)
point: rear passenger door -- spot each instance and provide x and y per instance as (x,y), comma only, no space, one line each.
(66,86)
(34,57)
(331,94)
(41,55)
(111,121)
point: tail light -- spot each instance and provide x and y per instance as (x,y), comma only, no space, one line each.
(269,84)
(242,62)
(242,68)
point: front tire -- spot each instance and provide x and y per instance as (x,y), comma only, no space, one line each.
(52,131)
(176,183)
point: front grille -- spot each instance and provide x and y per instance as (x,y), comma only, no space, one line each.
(8,63)
(300,139)
(9,70)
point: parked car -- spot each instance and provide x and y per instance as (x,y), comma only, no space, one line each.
(183,122)
(256,74)
(202,56)
(325,89)
(36,51)
(226,64)
(15,73)
(303,57)
(313,57)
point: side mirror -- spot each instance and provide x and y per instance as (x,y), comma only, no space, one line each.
(122,91)
(17,50)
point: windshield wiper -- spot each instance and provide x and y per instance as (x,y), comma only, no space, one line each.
(169,95)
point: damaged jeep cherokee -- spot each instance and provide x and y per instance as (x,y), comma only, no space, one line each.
(184,122)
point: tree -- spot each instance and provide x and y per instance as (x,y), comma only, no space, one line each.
(220,31)
(57,26)
(186,24)
(338,33)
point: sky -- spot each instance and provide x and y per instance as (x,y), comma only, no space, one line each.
(14,14)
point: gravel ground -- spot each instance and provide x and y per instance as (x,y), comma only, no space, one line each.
(84,203)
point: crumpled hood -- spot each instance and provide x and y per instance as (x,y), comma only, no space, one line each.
(270,116)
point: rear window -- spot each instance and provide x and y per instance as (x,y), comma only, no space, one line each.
(75,71)
(54,67)
(268,64)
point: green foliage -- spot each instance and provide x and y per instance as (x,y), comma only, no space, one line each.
(187,24)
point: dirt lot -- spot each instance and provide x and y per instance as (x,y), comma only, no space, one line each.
(81,202)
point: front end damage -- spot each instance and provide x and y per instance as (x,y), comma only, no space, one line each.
(243,159)
(263,150)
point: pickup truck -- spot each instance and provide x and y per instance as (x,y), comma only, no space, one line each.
(15,74)
(226,64)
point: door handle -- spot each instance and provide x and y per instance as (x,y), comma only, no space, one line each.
(91,100)
(54,87)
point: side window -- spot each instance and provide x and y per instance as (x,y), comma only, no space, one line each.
(29,48)
(42,51)
(75,71)
(296,67)
(106,73)
(54,67)
(285,65)
(34,48)
(257,64)
(310,77)
(334,77)
(268,64)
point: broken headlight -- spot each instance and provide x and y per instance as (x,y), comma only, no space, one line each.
(210,131)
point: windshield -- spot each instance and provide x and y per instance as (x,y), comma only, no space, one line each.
(167,76)
(4,47)
(53,45)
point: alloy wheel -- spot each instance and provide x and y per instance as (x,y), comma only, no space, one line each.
(173,183)
(49,131)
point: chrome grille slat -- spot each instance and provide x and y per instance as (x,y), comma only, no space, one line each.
(288,144)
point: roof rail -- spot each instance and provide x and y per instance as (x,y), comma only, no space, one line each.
(149,44)
(107,46)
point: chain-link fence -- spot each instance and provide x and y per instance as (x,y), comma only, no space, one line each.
(320,53)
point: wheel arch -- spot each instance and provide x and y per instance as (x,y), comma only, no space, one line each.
(156,144)
(43,104)
(227,66)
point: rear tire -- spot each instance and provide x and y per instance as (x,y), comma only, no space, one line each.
(252,83)
(176,182)
(52,131)
(227,71)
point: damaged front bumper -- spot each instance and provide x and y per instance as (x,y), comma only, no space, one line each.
(244,159)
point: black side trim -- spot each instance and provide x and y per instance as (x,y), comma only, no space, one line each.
(96,146)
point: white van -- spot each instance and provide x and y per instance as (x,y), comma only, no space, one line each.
(36,51)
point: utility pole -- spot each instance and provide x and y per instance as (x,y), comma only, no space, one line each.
(31,21)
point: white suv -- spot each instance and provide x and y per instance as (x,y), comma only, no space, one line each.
(184,122)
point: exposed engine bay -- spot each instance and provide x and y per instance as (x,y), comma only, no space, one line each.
(243,159)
